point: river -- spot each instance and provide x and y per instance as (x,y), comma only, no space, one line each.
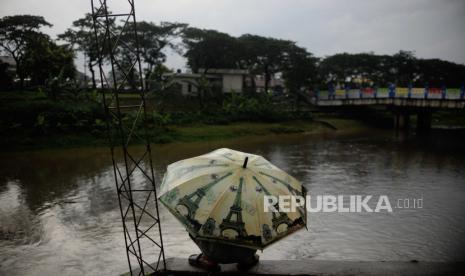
(59,213)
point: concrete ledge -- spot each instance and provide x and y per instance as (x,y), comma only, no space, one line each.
(178,266)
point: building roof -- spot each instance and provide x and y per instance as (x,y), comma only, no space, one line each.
(190,75)
(225,71)
(211,74)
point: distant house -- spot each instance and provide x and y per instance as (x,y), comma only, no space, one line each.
(275,85)
(228,80)
(10,62)
(232,79)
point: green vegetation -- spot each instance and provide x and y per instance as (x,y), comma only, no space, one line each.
(33,120)
(401,69)
(36,55)
(153,39)
(202,132)
(454,118)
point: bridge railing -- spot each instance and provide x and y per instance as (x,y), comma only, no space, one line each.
(393,92)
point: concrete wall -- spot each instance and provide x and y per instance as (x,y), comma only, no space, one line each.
(233,83)
(185,88)
(185,83)
(228,82)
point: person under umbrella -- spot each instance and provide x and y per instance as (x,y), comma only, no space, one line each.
(220,198)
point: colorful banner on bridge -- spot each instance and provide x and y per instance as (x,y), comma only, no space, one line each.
(340,93)
(418,90)
(382,92)
(402,91)
(453,93)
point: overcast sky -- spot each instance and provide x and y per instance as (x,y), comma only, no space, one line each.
(431,28)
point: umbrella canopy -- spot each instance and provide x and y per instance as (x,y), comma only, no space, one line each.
(220,196)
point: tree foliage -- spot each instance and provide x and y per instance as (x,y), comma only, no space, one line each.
(16,35)
(300,69)
(81,37)
(59,60)
(401,69)
(264,55)
(153,40)
(209,49)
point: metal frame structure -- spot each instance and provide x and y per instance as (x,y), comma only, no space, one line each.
(134,176)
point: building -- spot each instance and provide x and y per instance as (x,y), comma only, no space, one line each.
(10,62)
(232,79)
(275,85)
(226,80)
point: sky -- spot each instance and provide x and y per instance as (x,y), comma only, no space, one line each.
(430,28)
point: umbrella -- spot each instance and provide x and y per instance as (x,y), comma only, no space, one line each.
(220,196)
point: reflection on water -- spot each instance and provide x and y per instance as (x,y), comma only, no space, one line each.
(59,211)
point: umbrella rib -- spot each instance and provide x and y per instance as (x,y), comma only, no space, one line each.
(291,189)
(287,185)
(218,200)
(265,190)
(227,170)
(193,168)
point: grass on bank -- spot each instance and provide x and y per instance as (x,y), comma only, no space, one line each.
(186,133)
(31,120)
(235,130)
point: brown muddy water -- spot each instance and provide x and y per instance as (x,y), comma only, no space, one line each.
(59,213)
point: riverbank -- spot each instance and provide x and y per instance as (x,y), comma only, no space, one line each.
(193,133)
(31,120)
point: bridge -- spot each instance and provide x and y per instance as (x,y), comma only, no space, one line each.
(402,101)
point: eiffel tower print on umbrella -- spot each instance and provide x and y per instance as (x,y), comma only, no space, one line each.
(233,225)
(220,196)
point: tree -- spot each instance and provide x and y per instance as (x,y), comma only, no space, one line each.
(300,70)
(368,69)
(344,68)
(81,36)
(125,71)
(436,73)
(209,49)
(153,40)
(264,55)
(406,67)
(59,60)
(6,78)
(16,34)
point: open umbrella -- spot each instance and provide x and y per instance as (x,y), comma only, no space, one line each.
(220,196)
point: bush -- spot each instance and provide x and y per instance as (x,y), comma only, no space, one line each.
(52,116)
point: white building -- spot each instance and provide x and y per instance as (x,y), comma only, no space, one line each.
(228,80)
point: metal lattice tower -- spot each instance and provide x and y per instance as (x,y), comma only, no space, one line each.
(118,49)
